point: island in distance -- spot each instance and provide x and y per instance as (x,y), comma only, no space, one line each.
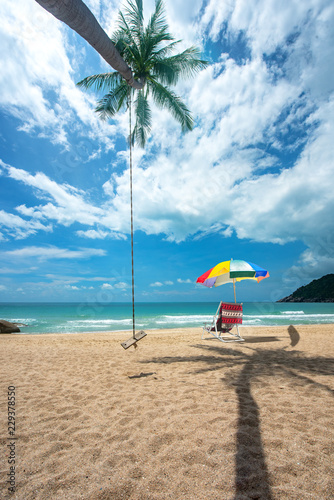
(320,290)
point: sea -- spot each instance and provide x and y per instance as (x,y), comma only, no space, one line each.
(86,317)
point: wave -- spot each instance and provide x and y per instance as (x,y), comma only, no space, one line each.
(126,321)
(167,319)
(277,316)
(56,319)
(255,321)
(26,321)
(292,312)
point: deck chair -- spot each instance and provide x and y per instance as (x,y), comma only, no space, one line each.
(227,316)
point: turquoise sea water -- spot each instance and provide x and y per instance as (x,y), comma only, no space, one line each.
(95,317)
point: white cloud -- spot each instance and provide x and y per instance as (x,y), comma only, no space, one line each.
(16,270)
(36,61)
(259,162)
(265,24)
(20,228)
(52,252)
(107,286)
(296,203)
(99,234)
(66,206)
(121,285)
(310,266)
(159,283)
(69,202)
(179,280)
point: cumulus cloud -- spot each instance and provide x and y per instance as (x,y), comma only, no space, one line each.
(36,55)
(20,228)
(121,285)
(66,205)
(107,286)
(69,203)
(160,284)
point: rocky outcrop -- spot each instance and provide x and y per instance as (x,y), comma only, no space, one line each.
(321,290)
(7,327)
(291,298)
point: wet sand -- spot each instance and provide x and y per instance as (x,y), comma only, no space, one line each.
(176,418)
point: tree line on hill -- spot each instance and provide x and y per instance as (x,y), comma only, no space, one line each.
(320,290)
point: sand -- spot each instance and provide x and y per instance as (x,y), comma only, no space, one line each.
(176,418)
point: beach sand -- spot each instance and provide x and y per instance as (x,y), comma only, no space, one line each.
(176,418)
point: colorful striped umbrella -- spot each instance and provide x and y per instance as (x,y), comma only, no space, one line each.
(231,271)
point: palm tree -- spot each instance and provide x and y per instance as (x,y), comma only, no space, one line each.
(148,52)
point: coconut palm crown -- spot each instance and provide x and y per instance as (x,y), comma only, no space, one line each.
(148,51)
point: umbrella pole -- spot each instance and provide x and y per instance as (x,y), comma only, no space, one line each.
(235,299)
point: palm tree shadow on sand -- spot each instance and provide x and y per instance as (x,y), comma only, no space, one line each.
(252,478)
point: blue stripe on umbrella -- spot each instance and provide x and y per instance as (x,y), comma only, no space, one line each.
(259,271)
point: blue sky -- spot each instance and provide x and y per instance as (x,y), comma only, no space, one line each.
(253,180)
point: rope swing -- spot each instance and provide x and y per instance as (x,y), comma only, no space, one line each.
(134,339)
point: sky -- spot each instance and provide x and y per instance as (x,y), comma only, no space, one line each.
(253,180)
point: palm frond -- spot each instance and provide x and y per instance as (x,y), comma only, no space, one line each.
(149,52)
(102,81)
(156,31)
(185,64)
(127,36)
(166,98)
(165,73)
(157,22)
(129,27)
(118,40)
(112,102)
(143,119)
(152,43)
(162,52)
(134,15)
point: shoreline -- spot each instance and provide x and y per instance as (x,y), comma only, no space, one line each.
(177,417)
(169,330)
(150,316)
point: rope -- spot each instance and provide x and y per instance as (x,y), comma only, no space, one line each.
(131,209)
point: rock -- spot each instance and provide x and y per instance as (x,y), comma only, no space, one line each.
(7,327)
(320,290)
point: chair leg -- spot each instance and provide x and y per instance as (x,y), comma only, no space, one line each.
(237,337)
(205,330)
(218,335)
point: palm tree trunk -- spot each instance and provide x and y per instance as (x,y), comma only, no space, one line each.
(78,17)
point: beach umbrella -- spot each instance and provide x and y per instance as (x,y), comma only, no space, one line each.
(231,271)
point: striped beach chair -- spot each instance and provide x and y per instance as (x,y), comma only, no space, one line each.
(227,316)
